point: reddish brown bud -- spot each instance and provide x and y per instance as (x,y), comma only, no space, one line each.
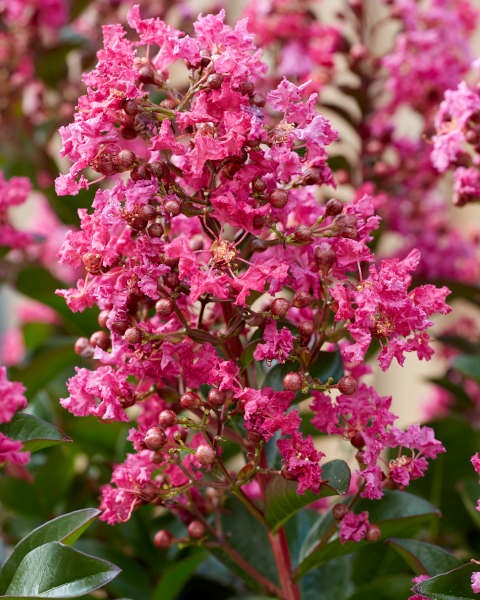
(214,81)
(133,335)
(292,382)
(124,160)
(278,198)
(146,74)
(247,88)
(167,418)
(312,175)
(333,207)
(279,307)
(205,455)
(172,207)
(306,328)
(164,307)
(140,172)
(155,230)
(373,533)
(83,348)
(258,185)
(120,326)
(103,317)
(347,385)
(155,438)
(163,539)
(196,530)
(324,256)
(171,280)
(259,221)
(339,511)
(216,398)
(302,234)
(189,401)
(100,339)
(357,440)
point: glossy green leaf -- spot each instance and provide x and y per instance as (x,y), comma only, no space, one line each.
(46,365)
(282,500)
(397,513)
(65,528)
(327,365)
(33,432)
(175,576)
(330,581)
(245,534)
(469,490)
(468,364)
(54,570)
(390,587)
(453,585)
(424,558)
(39,284)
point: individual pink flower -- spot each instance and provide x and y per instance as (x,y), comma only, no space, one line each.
(353,527)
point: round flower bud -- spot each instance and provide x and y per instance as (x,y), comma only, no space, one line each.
(167,418)
(302,234)
(146,74)
(196,530)
(339,511)
(373,533)
(82,347)
(155,230)
(279,307)
(102,318)
(301,299)
(278,198)
(258,185)
(357,440)
(214,81)
(171,280)
(333,207)
(133,335)
(163,539)
(292,382)
(205,455)
(164,307)
(189,401)
(306,328)
(155,438)
(100,339)
(347,385)
(216,398)
(172,207)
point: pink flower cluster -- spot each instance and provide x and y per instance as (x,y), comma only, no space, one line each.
(13,399)
(211,248)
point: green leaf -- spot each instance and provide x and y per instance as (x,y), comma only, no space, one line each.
(397,513)
(275,375)
(424,558)
(175,576)
(39,284)
(46,365)
(327,365)
(249,539)
(330,581)
(391,587)
(33,432)
(65,528)
(282,500)
(454,585)
(54,570)
(469,365)
(469,490)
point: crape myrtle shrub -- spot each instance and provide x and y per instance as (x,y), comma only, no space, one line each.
(250,228)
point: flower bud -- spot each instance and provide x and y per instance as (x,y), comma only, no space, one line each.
(279,307)
(163,539)
(333,207)
(164,307)
(196,530)
(293,382)
(278,198)
(373,533)
(155,438)
(100,339)
(167,418)
(133,335)
(216,398)
(347,385)
(205,455)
